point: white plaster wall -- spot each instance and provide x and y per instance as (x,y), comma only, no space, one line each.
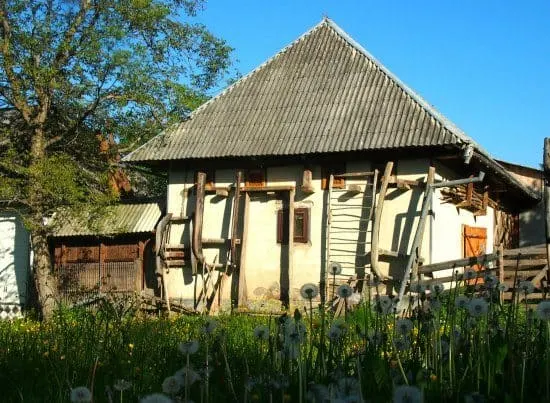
(447,235)
(442,237)
(14,264)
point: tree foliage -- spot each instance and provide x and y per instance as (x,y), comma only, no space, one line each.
(70,69)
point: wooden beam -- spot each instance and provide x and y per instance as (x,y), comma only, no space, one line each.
(291,197)
(235,218)
(242,292)
(375,233)
(266,188)
(196,245)
(414,270)
(452,264)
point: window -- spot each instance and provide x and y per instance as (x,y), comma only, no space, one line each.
(335,169)
(301,225)
(255,178)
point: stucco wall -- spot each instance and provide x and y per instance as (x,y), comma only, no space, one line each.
(266,261)
(14,264)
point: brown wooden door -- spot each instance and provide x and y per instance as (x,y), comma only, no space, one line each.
(475,244)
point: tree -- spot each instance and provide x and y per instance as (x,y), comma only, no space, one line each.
(70,69)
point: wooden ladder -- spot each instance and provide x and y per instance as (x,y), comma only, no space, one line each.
(349,214)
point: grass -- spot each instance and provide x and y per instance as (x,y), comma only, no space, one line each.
(440,352)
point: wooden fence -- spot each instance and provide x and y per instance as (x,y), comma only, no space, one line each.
(83,280)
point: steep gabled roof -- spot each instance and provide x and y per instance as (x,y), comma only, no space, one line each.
(323,93)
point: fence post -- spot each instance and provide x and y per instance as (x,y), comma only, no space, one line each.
(501,269)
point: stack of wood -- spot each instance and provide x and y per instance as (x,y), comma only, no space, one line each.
(466,197)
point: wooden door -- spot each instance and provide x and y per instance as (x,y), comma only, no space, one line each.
(475,244)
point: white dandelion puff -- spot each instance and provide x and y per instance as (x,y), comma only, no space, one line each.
(404,326)
(385,304)
(261,332)
(402,344)
(348,390)
(121,385)
(189,347)
(462,302)
(187,376)
(210,325)
(171,385)
(469,274)
(407,394)
(335,268)
(502,287)
(434,304)
(477,307)
(490,281)
(156,398)
(344,291)
(437,288)
(543,310)
(309,291)
(418,288)
(526,287)
(81,394)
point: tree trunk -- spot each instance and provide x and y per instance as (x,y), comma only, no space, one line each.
(44,280)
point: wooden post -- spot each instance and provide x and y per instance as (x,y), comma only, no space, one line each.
(429,181)
(101,264)
(243,295)
(196,244)
(235,219)
(501,268)
(291,197)
(375,234)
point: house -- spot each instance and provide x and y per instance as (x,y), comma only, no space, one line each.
(115,253)
(530,222)
(319,160)
(15,264)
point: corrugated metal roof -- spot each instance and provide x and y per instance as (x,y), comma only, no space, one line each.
(322,93)
(119,219)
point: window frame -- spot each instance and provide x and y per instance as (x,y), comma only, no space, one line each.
(283,225)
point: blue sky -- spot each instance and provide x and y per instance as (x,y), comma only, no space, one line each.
(484,64)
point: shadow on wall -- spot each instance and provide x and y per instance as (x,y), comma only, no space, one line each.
(531,226)
(14,261)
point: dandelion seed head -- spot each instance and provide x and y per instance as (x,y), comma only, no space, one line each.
(121,385)
(402,343)
(189,347)
(407,394)
(490,281)
(502,287)
(477,307)
(309,291)
(187,376)
(462,302)
(469,274)
(171,385)
(404,326)
(385,304)
(437,288)
(526,287)
(335,268)
(543,310)
(156,398)
(261,332)
(344,291)
(210,325)
(418,288)
(81,394)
